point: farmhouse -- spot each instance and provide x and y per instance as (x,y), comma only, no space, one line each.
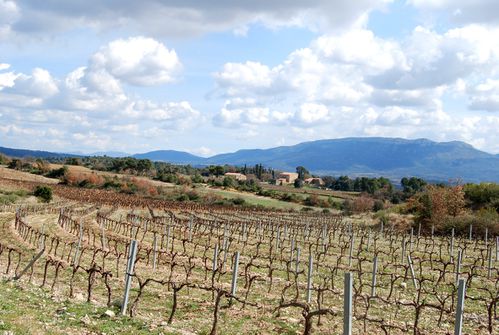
(314,181)
(236,176)
(286,178)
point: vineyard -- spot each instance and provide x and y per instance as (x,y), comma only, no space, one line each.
(215,270)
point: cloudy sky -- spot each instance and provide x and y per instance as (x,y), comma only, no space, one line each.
(216,76)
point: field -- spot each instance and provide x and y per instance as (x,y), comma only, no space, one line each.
(212,269)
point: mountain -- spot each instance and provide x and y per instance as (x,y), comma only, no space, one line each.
(370,156)
(23,153)
(171,156)
(376,156)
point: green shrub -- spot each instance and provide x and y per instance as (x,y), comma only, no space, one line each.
(197,179)
(238,201)
(193,195)
(182,197)
(44,193)
(6,199)
(112,184)
(482,195)
(57,173)
(378,205)
(229,182)
(482,220)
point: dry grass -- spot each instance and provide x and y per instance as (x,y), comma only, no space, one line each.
(25,176)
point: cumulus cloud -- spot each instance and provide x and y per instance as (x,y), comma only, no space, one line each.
(485,96)
(91,106)
(173,115)
(248,75)
(441,59)
(355,83)
(138,60)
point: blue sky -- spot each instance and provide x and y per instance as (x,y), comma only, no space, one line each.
(218,76)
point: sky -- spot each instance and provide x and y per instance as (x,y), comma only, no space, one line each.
(217,76)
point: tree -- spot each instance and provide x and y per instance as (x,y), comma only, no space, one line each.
(73,161)
(298,183)
(436,203)
(482,196)
(197,178)
(15,164)
(216,170)
(413,185)
(230,182)
(44,193)
(302,172)
(259,171)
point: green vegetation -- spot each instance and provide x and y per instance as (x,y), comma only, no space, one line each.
(10,197)
(29,310)
(484,195)
(44,193)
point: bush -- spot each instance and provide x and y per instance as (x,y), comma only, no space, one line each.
(197,179)
(378,205)
(182,197)
(238,201)
(482,195)
(57,173)
(312,200)
(193,195)
(229,182)
(15,164)
(487,219)
(44,193)
(112,184)
(347,207)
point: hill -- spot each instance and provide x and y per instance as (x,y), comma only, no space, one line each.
(171,156)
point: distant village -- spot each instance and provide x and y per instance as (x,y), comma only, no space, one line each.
(283,178)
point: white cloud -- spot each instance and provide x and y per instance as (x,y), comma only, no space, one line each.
(462,11)
(94,140)
(203,151)
(172,115)
(238,77)
(138,60)
(311,113)
(353,83)
(9,13)
(362,48)
(90,104)
(485,96)
(174,18)
(441,59)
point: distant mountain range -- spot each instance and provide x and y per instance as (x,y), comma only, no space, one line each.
(372,156)
(22,153)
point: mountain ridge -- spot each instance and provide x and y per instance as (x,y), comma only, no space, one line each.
(356,156)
